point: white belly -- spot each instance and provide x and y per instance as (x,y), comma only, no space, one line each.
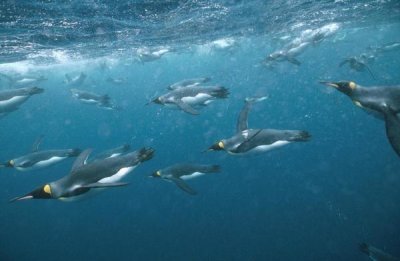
(264,148)
(14,101)
(89,101)
(193,175)
(198,99)
(42,164)
(117,176)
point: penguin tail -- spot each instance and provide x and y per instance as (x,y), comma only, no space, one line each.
(146,154)
(300,136)
(75,152)
(221,92)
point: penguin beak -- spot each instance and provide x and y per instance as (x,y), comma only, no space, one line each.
(330,84)
(28,196)
(39,193)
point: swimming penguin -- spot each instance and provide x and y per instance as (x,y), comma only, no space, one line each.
(11,99)
(357,63)
(257,140)
(102,101)
(75,81)
(179,172)
(146,54)
(381,101)
(376,254)
(111,153)
(83,177)
(188,98)
(40,159)
(188,83)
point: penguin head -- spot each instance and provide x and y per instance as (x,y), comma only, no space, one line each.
(156,174)
(158,100)
(43,192)
(217,146)
(347,87)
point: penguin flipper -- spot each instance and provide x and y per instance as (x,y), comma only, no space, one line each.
(293,60)
(182,185)
(36,144)
(105,185)
(81,160)
(242,122)
(186,107)
(392,123)
(247,145)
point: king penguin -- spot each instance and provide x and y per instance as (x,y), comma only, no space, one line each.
(256,140)
(190,97)
(40,159)
(381,101)
(179,172)
(376,254)
(84,177)
(11,99)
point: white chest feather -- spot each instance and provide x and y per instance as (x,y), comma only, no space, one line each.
(192,176)
(117,176)
(264,148)
(198,99)
(42,164)
(14,101)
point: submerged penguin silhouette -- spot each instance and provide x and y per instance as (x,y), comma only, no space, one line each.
(178,173)
(83,177)
(40,158)
(187,98)
(11,99)
(376,254)
(257,140)
(380,101)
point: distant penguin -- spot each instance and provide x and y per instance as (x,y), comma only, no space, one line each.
(358,64)
(111,153)
(188,83)
(189,98)
(102,101)
(381,101)
(180,172)
(148,55)
(11,99)
(40,159)
(247,140)
(83,177)
(376,254)
(75,81)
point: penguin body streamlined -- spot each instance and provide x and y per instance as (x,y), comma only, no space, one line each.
(382,101)
(85,177)
(178,173)
(11,99)
(189,98)
(247,140)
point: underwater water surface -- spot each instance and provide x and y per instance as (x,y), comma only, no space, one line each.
(314,200)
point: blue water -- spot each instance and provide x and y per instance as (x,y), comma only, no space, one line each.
(307,201)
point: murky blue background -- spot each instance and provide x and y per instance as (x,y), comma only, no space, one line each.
(307,201)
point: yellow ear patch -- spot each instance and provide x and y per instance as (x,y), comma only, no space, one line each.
(11,162)
(221,144)
(158,173)
(47,189)
(352,85)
